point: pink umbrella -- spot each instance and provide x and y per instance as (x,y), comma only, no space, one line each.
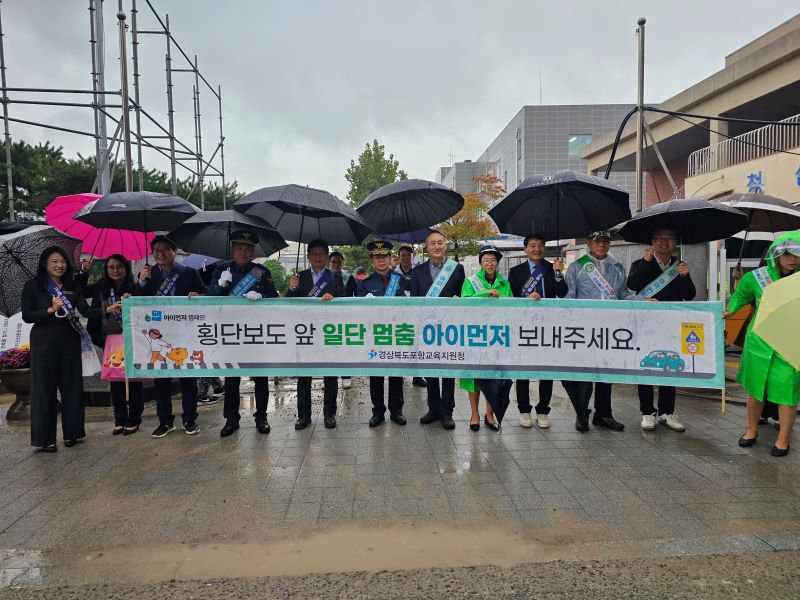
(101,243)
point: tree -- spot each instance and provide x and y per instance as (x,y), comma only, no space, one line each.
(279,277)
(373,170)
(470,224)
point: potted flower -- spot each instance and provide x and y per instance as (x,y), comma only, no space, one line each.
(16,376)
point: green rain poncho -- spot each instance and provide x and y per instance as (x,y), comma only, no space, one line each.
(763,373)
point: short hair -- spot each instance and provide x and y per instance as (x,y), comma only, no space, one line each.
(337,254)
(162,239)
(409,249)
(533,236)
(317,244)
(431,232)
(657,229)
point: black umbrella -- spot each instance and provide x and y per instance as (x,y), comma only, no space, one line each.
(14,226)
(695,221)
(303,214)
(565,204)
(19,258)
(497,393)
(409,205)
(764,213)
(408,237)
(209,232)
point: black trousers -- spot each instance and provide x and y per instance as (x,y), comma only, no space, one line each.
(395,395)
(127,413)
(56,366)
(441,401)
(188,400)
(524,396)
(304,396)
(666,399)
(230,409)
(580,392)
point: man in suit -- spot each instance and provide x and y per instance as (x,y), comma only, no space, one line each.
(336,264)
(241,277)
(169,278)
(662,276)
(536,278)
(449,277)
(316,282)
(383,282)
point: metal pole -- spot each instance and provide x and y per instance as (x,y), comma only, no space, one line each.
(102,132)
(222,148)
(640,115)
(135,43)
(95,96)
(9,174)
(123,74)
(200,169)
(170,110)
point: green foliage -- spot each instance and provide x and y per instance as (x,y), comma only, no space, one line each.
(372,171)
(355,256)
(279,277)
(41,173)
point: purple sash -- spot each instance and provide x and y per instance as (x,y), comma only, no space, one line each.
(535,278)
(323,280)
(166,286)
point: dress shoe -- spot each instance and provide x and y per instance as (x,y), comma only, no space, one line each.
(302,423)
(492,426)
(330,422)
(117,430)
(419,382)
(130,430)
(262,425)
(582,423)
(778,452)
(448,423)
(376,420)
(474,426)
(70,443)
(609,423)
(50,449)
(230,426)
(428,418)
(747,442)
(398,418)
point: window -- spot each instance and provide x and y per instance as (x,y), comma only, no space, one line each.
(576,141)
(519,144)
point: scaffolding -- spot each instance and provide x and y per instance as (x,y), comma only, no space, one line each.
(117,106)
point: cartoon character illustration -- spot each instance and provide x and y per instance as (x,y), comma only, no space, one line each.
(665,360)
(197,357)
(116,359)
(158,345)
(178,356)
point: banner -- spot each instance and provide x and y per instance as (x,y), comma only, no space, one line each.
(583,340)
(14,332)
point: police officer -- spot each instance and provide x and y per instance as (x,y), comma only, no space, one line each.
(243,278)
(383,282)
(316,282)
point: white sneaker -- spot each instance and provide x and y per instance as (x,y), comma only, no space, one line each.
(346,384)
(525,420)
(672,422)
(542,421)
(649,422)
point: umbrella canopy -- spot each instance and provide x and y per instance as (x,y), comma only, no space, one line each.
(137,211)
(409,237)
(101,243)
(776,320)
(209,232)
(200,262)
(409,205)
(303,214)
(19,258)
(695,221)
(565,204)
(764,213)
(13,226)
(497,395)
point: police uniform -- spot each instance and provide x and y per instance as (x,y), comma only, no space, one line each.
(266,289)
(375,284)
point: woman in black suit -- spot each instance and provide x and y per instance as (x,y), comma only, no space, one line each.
(50,302)
(117,283)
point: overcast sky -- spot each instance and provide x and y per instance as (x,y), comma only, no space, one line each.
(307,83)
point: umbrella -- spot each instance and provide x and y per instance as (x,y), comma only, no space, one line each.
(14,226)
(776,320)
(408,205)
(565,204)
(209,232)
(764,213)
(409,237)
(19,259)
(497,393)
(695,221)
(303,214)
(101,243)
(200,261)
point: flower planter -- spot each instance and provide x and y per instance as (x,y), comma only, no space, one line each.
(18,381)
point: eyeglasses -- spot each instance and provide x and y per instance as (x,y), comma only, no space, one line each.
(664,239)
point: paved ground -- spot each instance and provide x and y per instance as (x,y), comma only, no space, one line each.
(329,511)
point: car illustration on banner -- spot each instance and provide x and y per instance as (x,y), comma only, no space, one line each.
(665,360)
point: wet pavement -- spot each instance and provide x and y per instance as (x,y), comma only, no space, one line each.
(130,511)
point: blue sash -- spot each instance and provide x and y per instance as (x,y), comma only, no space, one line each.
(165,289)
(394,283)
(86,341)
(248,281)
(112,296)
(324,279)
(442,278)
(535,278)
(663,280)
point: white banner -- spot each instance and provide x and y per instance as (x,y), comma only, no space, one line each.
(669,343)
(14,332)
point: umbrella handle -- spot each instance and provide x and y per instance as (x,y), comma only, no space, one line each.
(299,241)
